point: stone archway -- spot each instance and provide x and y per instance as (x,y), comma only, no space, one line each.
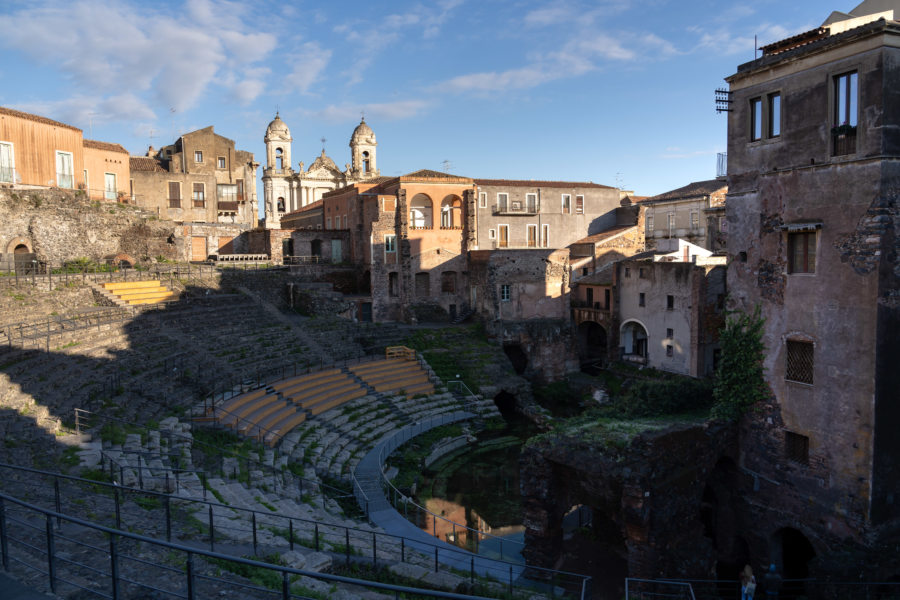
(592,343)
(633,336)
(19,245)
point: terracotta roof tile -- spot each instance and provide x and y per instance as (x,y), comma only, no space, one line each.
(35,118)
(429,174)
(696,188)
(146,164)
(104,146)
(539,183)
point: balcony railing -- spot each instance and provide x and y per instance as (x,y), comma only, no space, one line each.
(517,208)
(844,140)
(228,207)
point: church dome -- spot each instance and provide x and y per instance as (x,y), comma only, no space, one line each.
(362,133)
(278,129)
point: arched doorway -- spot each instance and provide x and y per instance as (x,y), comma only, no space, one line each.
(517,357)
(591,343)
(634,341)
(794,551)
(21,249)
(506,404)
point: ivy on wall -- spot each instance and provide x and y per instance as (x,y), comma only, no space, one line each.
(740,381)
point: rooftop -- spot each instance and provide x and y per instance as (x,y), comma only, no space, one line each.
(35,118)
(604,235)
(538,183)
(691,190)
(96,145)
(146,164)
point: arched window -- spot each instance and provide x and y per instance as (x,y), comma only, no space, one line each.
(365,161)
(280,204)
(279,158)
(420,212)
(451,212)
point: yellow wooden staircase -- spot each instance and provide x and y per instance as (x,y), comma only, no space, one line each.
(140,292)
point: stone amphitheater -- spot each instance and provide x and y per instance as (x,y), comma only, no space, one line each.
(214,420)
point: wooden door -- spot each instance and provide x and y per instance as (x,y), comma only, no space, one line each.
(198,248)
(225,245)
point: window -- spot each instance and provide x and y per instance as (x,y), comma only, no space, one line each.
(504,236)
(845,94)
(492,234)
(670,302)
(279,204)
(670,333)
(545,236)
(390,243)
(695,219)
(221,162)
(502,202)
(774,109)
(671,223)
(642,299)
(649,221)
(7,166)
(504,292)
(346,222)
(482,200)
(365,157)
(65,174)
(448,282)
(641,274)
(802,252)
(670,350)
(584,271)
(240,189)
(198,156)
(579,205)
(86,186)
(174,194)
(799,365)
(755,119)
(198,195)
(531,235)
(226,192)
(627,272)
(566,204)
(531,203)
(796,447)
(327,222)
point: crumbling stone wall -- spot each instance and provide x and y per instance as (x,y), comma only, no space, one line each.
(62,225)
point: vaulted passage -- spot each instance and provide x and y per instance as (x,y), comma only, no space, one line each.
(517,357)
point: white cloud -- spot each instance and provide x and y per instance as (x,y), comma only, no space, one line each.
(727,42)
(386,111)
(103,48)
(308,66)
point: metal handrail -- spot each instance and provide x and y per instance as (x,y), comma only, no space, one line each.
(210,505)
(393,443)
(115,534)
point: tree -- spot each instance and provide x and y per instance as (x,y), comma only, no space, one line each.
(739,379)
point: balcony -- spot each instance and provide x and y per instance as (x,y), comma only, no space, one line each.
(228,207)
(843,140)
(516,208)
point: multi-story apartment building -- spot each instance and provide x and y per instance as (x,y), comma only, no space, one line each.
(813,219)
(203,182)
(541,214)
(692,212)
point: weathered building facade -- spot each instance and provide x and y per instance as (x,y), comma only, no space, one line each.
(694,212)
(541,214)
(813,180)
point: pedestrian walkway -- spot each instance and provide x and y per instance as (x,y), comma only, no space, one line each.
(383,515)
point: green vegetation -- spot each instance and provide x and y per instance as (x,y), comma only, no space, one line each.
(452,351)
(148,502)
(740,381)
(409,457)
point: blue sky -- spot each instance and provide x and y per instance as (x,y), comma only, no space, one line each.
(618,92)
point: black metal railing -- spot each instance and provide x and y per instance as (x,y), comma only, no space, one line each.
(77,554)
(843,140)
